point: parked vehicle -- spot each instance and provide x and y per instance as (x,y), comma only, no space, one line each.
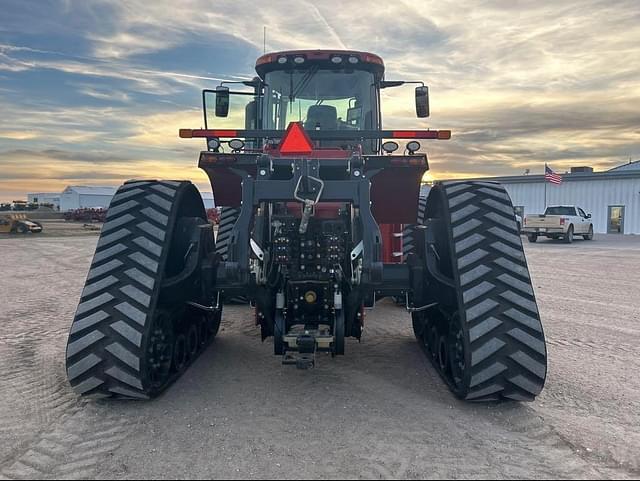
(86,215)
(519,222)
(18,224)
(559,222)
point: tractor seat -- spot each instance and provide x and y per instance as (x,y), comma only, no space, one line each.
(321,117)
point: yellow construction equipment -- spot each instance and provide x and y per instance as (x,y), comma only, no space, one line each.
(18,224)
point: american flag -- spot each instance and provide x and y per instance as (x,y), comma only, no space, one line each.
(551,176)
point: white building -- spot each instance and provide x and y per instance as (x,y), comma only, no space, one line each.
(207,198)
(42,198)
(611,197)
(82,197)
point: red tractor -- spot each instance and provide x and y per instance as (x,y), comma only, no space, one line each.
(307,176)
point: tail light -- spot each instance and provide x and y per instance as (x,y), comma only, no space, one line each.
(562,220)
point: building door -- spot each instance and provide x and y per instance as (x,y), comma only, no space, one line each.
(616,219)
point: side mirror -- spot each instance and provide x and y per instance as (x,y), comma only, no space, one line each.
(422,102)
(222,101)
(588,216)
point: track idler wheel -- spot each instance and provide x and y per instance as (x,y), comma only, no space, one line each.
(484,337)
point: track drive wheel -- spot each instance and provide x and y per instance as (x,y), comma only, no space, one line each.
(133,332)
(485,337)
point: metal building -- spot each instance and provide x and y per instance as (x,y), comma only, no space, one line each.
(611,197)
(207,198)
(83,197)
(42,198)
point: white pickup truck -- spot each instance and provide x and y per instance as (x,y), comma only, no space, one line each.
(559,222)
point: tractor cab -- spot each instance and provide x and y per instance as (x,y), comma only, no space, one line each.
(327,91)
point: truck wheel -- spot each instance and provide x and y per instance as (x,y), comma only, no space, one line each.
(568,237)
(22,229)
(533,238)
(589,236)
(485,336)
(128,336)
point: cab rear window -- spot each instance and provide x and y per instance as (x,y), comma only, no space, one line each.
(560,211)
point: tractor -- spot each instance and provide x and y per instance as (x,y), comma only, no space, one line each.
(310,182)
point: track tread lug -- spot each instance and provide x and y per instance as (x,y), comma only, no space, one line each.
(118,210)
(156,216)
(104,269)
(78,368)
(120,375)
(487,350)
(83,343)
(487,374)
(484,328)
(123,354)
(132,313)
(128,332)
(469,242)
(529,341)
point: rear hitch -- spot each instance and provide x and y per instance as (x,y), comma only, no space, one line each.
(306,353)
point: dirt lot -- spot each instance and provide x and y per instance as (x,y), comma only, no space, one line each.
(379,412)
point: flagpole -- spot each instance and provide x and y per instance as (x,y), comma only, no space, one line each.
(545,186)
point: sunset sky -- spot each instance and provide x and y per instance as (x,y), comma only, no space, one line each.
(93,92)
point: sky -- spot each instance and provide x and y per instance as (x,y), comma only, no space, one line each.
(93,92)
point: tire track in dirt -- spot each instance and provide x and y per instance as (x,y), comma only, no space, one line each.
(71,448)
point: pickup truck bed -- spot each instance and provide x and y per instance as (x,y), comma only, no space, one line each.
(559,222)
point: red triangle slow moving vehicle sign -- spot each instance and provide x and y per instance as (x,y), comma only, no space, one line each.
(295,141)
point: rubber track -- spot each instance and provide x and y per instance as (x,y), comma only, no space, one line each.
(105,351)
(408,242)
(508,355)
(228,218)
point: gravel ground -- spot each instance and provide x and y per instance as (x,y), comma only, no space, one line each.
(379,412)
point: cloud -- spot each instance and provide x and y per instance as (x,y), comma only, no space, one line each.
(519,83)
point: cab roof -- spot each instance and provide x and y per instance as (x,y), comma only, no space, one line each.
(287,59)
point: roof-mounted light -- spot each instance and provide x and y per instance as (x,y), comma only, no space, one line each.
(214,144)
(336,60)
(236,144)
(282,60)
(390,146)
(354,60)
(299,60)
(413,146)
